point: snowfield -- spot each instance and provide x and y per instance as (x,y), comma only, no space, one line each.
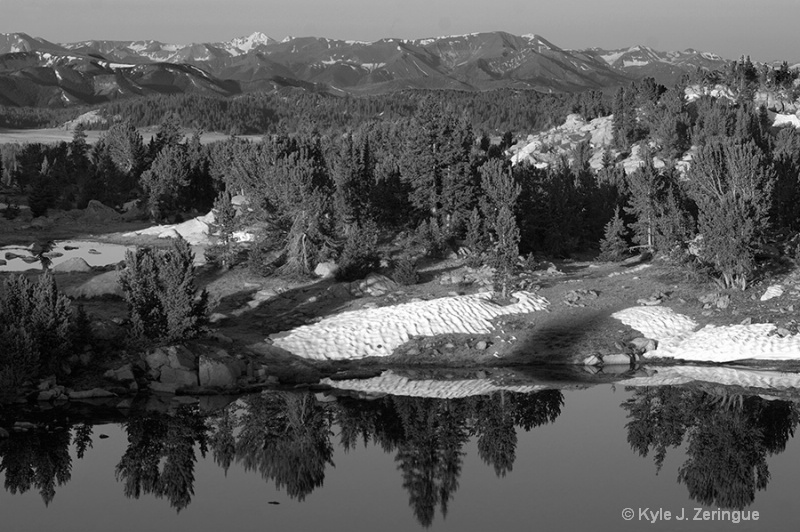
(678,338)
(379,331)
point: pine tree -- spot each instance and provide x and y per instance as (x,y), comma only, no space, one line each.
(614,247)
(166,181)
(476,237)
(38,330)
(732,184)
(223,227)
(159,288)
(506,250)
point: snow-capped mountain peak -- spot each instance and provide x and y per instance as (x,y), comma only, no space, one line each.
(243,45)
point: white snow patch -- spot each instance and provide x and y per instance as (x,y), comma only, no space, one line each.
(629,63)
(677,338)
(379,331)
(393,384)
(772,292)
(782,120)
(195,231)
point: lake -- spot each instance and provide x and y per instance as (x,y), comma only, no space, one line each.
(571,458)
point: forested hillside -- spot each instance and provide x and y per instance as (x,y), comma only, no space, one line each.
(335,176)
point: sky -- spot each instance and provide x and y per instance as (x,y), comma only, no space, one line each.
(764,29)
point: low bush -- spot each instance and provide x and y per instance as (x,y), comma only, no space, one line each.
(405,272)
(360,255)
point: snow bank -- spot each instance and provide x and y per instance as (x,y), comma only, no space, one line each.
(783,120)
(195,231)
(392,384)
(379,331)
(678,339)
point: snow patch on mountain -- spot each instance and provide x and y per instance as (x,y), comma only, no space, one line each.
(243,45)
(694,92)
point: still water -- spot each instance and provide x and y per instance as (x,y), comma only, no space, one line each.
(568,459)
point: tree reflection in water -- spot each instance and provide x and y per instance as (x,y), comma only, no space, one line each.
(36,460)
(729,438)
(160,457)
(287,438)
(428,436)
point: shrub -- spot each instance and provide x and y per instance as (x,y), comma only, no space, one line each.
(405,272)
(431,237)
(360,254)
(159,287)
(38,330)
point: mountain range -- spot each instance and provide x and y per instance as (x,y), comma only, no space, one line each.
(38,73)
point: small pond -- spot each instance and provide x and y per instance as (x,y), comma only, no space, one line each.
(22,258)
(557,459)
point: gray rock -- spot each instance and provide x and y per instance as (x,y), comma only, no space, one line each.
(643,345)
(619,359)
(156,358)
(783,333)
(373,285)
(47,395)
(482,345)
(592,360)
(122,374)
(326,269)
(97,212)
(219,370)
(181,357)
(73,265)
(183,378)
(104,285)
(651,302)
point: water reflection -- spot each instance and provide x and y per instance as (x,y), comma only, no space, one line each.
(37,460)
(161,456)
(289,438)
(728,438)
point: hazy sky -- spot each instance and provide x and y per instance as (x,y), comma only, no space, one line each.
(765,29)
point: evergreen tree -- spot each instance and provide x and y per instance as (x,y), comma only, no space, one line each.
(38,330)
(732,184)
(614,247)
(506,249)
(223,227)
(436,162)
(166,181)
(159,288)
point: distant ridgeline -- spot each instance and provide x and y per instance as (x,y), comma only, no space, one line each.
(35,73)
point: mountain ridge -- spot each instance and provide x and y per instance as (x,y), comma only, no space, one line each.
(103,70)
